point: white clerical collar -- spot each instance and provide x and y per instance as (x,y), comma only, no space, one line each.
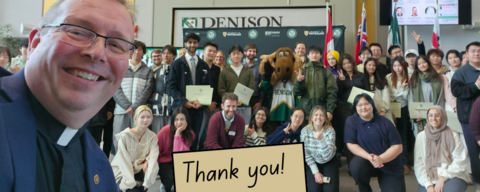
(67,136)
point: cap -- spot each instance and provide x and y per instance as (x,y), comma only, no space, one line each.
(414,51)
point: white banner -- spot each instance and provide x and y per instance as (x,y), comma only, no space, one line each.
(245,17)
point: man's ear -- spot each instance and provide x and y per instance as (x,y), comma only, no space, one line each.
(34,39)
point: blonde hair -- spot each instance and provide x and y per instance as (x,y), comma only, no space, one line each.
(224,64)
(327,122)
(55,11)
(140,109)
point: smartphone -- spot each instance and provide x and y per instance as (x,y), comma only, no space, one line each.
(326,179)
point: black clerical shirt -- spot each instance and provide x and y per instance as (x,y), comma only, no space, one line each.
(59,168)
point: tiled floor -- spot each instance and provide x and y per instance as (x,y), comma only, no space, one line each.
(347,183)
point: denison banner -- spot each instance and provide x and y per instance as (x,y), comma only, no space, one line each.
(268,39)
(251,169)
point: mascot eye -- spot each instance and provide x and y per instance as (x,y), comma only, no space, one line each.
(286,54)
(280,54)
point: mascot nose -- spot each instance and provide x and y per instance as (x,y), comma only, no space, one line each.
(288,70)
(278,69)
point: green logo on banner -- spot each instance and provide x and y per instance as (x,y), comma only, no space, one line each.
(291,33)
(229,61)
(337,33)
(253,34)
(211,34)
(189,22)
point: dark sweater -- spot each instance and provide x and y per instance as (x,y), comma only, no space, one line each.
(465,89)
(279,136)
(475,120)
(218,138)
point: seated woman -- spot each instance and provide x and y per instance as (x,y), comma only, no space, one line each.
(377,146)
(289,132)
(440,157)
(256,132)
(135,165)
(178,136)
(319,144)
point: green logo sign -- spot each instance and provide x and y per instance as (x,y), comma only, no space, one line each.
(253,34)
(189,22)
(211,34)
(229,61)
(337,33)
(291,33)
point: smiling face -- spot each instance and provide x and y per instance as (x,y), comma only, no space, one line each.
(300,49)
(191,45)
(167,56)
(332,61)
(453,60)
(370,67)
(251,53)
(144,119)
(435,59)
(296,119)
(4,59)
(260,117)
(434,118)
(180,120)
(347,65)
(397,67)
(229,107)
(157,58)
(422,65)
(364,109)
(219,59)
(209,53)
(318,118)
(377,52)
(236,57)
(74,82)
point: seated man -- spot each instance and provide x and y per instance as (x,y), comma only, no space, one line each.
(226,128)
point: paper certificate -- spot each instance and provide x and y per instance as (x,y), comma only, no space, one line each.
(453,122)
(418,109)
(244,93)
(357,91)
(202,93)
(396,109)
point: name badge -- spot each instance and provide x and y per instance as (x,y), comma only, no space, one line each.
(231,133)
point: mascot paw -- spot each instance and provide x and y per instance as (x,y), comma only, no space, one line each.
(268,71)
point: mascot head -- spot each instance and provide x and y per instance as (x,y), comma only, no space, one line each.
(284,61)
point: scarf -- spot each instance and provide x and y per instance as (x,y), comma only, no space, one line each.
(439,144)
(417,92)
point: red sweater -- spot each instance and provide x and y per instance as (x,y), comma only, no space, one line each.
(218,138)
(165,153)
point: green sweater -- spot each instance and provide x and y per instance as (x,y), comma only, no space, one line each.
(313,90)
(228,80)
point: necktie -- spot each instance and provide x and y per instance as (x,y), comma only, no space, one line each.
(194,67)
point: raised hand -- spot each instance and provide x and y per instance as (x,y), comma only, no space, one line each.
(340,75)
(417,37)
(287,130)
(267,67)
(300,76)
(250,130)
(319,134)
(404,84)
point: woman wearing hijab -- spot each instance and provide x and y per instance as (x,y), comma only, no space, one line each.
(440,157)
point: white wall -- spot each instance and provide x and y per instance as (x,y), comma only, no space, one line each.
(14,12)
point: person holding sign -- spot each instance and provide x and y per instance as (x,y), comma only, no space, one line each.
(398,86)
(135,165)
(289,132)
(177,136)
(257,131)
(319,144)
(426,85)
(235,73)
(441,160)
(189,70)
(376,144)
(315,84)
(348,78)
(226,127)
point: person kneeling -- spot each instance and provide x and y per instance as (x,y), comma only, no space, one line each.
(135,165)
(319,144)
(440,157)
(289,132)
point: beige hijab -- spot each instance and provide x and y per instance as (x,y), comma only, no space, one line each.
(440,144)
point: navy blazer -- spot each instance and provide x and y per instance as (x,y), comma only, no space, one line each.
(18,143)
(180,76)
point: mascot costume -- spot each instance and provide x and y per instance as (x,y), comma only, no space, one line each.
(278,70)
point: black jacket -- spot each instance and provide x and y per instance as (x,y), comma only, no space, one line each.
(180,76)
(214,75)
(101,118)
(465,89)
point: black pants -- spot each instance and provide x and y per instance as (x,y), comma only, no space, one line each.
(166,175)
(473,151)
(196,118)
(340,115)
(404,130)
(107,137)
(254,100)
(329,169)
(362,170)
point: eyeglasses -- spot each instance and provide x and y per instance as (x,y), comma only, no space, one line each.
(81,36)
(366,54)
(433,115)
(363,104)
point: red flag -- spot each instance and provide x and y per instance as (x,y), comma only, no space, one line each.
(361,35)
(436,32)
(329,45)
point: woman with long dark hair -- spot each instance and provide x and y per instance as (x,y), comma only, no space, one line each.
(257,131)
(289,132)
(379,86)
(426,85)
(178,136)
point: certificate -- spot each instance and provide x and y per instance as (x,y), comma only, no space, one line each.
(396,109)
(244,93)
(453,122)
(419,109)
(202,93)
(357,91)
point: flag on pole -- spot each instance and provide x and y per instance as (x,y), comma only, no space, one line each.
(362,34)
(394,32)
(329,45)
(436,31)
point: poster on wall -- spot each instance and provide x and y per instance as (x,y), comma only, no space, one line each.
(268,40)
(269,17)
(422,12)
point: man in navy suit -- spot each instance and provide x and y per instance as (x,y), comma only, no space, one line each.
(76,61)
(189,69)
